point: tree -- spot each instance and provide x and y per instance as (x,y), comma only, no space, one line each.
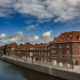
(4,49)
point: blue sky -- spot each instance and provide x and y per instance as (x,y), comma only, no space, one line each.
(19,23)
(37,18)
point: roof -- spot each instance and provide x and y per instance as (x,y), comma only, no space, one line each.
(41,45)
(1,47)
(13,45)
(67,37)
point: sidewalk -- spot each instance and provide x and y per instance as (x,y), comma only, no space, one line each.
(49,65)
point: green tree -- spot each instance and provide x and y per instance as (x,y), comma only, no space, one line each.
(4,49)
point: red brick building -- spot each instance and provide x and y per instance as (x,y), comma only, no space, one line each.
(40,52)
(63,50)
(66,48)
(10,49)
(1,50)
(37,52)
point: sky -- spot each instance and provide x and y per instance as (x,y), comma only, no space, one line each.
(37,21)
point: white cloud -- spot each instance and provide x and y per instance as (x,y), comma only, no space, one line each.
(20,38)
(5,7)
(30,27)
(2,35)
(61,10)
(47,34)
(36,37)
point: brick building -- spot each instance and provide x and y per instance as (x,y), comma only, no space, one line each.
(40,52)
(1,50)
(22,51)
(65,48)
(37,52)
(10,49)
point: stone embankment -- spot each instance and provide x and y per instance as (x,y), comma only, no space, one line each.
(44,69)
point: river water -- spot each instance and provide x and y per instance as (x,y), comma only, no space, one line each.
(12,72)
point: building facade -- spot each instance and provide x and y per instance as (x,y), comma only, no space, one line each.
(1,50)
(64,50)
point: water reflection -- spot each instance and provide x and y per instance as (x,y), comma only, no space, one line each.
(13,72)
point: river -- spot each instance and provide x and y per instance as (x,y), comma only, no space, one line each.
(13,72)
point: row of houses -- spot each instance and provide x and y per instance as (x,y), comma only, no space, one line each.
(63,50)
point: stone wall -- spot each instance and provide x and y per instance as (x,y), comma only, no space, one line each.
(47,70)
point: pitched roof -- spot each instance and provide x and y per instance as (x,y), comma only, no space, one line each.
(67,37)
(13,45)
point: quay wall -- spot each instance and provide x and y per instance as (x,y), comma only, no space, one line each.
(44,69)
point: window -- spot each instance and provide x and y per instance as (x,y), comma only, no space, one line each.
(42,48)
(31,54)
(53,52)
(48,54)
(31,48)
(68,38)
(45,48)
(12,48)
(78,37)
(45,54)
(39,53)
(42,53)
(53,46)
(61,39)
(18,51)
(67,46)
(60,52)
(48,47)
(37,48)
(60,46)
(68,52)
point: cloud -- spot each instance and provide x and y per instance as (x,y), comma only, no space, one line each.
(47,34)
(2,35)
(5,7)
(44,20)
(36,37)
(60,10)
(19,38)
(30,27)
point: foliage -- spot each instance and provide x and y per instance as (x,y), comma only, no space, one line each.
(4,49)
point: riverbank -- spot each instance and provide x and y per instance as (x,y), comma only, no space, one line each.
(69,75)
